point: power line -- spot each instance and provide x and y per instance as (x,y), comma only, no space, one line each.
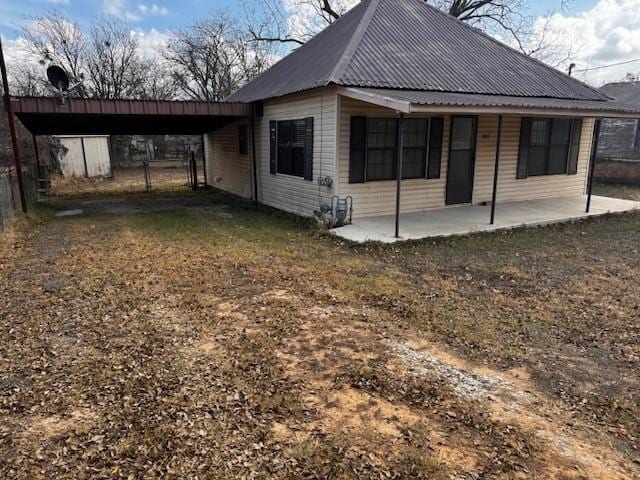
(607,66)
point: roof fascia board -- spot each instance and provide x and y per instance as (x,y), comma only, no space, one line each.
(408,107)
(380,100)
(559,112)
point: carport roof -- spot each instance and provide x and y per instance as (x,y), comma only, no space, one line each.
(76,116)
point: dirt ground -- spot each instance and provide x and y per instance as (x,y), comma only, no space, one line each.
(220,341)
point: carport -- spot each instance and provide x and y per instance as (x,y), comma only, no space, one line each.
(84,117)
(81,116)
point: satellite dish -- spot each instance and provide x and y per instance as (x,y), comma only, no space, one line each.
(58,78)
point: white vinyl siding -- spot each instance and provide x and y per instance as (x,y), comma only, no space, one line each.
(510,188)
(286,192)
(378,198)
(227,169)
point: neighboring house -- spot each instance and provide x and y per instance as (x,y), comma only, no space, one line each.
(328,113)
(620,137)
(86,156)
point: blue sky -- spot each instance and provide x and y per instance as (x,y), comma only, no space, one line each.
(604,34)
(167,14)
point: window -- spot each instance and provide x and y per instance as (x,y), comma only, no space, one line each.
(414,147)
(373,154)
(636,135)
(381,149)
(291,147)
(548,146)
(243,139)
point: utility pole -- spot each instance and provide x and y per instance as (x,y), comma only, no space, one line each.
(12,129)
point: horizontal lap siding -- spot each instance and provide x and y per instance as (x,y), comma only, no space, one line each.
(510,188)
(226,168)
(294,194)
(379,198)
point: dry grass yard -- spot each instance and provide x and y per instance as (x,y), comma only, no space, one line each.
(220,342)
(165,176)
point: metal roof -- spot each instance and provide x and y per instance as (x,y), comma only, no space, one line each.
(407,100)
(627,92)
(78,116)
(407,44)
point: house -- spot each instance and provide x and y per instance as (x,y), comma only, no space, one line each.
(84,156)
(620,137)
(397,120)
(327,119)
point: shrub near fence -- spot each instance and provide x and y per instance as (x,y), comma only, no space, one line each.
(617,171)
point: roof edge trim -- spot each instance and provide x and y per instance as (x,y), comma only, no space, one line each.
(380,100)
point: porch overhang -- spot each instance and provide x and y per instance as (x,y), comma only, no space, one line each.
(413,101)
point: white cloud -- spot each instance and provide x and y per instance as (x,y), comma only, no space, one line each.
(122,9)
(59,2)
(153,10)
(151,42)
(608,33)
(303,20)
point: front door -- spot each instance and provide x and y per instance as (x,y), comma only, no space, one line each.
(462,159)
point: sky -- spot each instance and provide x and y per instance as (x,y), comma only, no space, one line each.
(597,33)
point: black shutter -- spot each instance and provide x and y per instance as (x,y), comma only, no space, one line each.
(574,146)
(523,156)
(308,148)
(273,147)
(435,147)
(358,150)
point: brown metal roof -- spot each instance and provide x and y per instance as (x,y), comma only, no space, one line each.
(479,100)
(443,99)
(407,44)
(77,116)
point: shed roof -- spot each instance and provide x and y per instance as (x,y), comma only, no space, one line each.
(407,44)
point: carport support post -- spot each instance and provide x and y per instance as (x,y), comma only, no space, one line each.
(12,129)
(592,160)
(495,173)
(36,150)
(399,171)
(254,154)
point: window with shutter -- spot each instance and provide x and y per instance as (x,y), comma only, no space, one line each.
(548,146)
(435,147)
(292,147)
(373,154)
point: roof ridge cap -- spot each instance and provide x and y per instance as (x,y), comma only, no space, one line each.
(354,42)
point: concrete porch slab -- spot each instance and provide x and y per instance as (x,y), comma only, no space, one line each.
(467,219)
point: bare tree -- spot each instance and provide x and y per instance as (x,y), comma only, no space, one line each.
(114,64)
(159,83)
(211,59)
(296,21)
(54,39)
(27,80)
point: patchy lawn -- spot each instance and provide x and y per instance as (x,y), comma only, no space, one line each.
(223,342)
(169,176)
